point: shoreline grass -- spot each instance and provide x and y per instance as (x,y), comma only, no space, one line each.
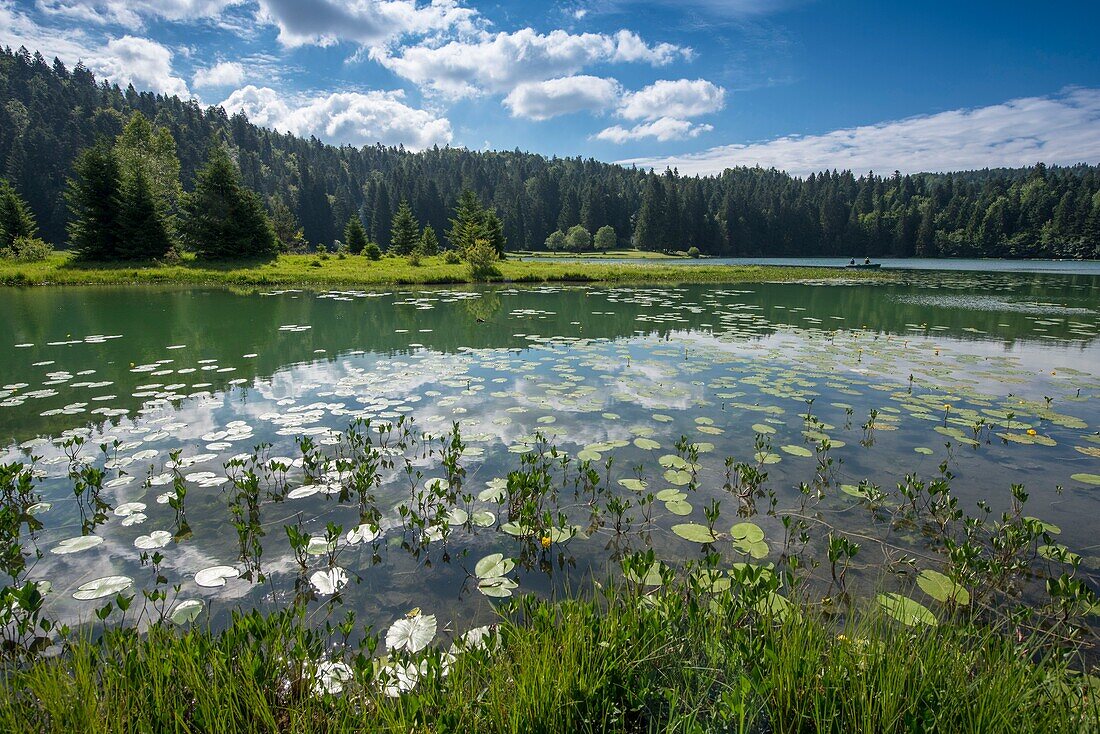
(314,271)
(620,660)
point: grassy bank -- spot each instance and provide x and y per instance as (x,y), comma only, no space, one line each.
(310,270)
(618,663)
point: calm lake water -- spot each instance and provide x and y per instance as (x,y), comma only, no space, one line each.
(600,372)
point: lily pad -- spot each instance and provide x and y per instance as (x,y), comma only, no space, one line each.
(493,566)
(215,576)
(186,611)
(694,532)
(106,586)
(906,611)
(77,544)
(941,588)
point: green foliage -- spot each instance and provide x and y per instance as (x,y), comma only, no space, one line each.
(450,257)
(372,251)
(16,220)
(355,236)
(482,259)
(27,249)
(693,251)
(605,239)
(494,232)
(468,224)
(556,241)
(152,152)
(142,233)
(429,243)
(224,220)
(288,232)
(578,239)
(94,202)
(404,232)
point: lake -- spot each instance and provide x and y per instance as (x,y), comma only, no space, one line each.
(995,376)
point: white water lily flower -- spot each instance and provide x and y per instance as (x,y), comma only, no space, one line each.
(412,633)
(330,677)
(329,582)
(478,638)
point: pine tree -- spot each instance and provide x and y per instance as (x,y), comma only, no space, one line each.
(429,243)
(16,219)
(93,197)
(467,226)
(355,236)
(289,234)
(224,220)
(142,234)
(405,231)
(648,233)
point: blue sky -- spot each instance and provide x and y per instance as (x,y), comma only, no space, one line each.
(700,84)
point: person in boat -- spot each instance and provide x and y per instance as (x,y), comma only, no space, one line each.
(866,261)
(852,261)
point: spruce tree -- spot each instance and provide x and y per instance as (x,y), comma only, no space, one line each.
(94,198)
(429,243)
(404,232)
(16,219)
(355,236)
(467,226)
(142,234)
(289,234)
(493,230)
(224,220)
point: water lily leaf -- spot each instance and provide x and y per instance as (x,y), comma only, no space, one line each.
(905,610)
(494,565)
(678,507)
(670,495)
(99,588)
(678,477)
(155,539)
(186,611)
(483,518)
(941,588)
(694,532)
(923,450)
(635,485)
(457,516)
(765,457)
(411,633)
(215,576)
(651,577)
(763,428)
(1093,479)
(516,529)
(364,533)
(747,531)
(646,444)
(75,545)
(776,606)
(672,461)
(497,588)
(1059,553)
(796,450)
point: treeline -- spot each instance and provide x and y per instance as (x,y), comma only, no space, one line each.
(50,114)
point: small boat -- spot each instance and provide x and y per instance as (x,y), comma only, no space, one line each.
(864,266)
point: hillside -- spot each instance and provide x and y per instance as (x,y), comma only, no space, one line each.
(48,113)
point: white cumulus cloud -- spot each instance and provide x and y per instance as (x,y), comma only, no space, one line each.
(224,74)
(139,61)
(343,118)
(673,98)
(499,62)
(663,129)
(562,96)
(325,22)
(1059,129)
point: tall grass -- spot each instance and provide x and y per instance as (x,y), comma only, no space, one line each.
(616,661)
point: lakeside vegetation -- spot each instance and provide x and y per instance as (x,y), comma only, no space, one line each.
(351,270)
(684,645)
(49,114)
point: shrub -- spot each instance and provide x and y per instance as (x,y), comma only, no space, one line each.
(693,251)
(482,259)
(27,249)
(372,252)
(414,257)
(451,257)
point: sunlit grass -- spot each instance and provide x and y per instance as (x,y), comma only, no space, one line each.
(312,270)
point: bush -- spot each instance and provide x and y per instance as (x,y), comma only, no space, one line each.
(451,257)
(171,256)
(414,257)
(693,251)
(372,252)
(482,259)
(27,249)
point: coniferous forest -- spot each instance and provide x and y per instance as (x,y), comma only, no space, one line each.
(57,124)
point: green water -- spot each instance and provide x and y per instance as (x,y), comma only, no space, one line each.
(610,372)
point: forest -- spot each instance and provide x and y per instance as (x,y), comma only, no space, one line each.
(50,116)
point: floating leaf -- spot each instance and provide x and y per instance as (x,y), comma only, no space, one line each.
(694,532)
(905,610)
(99,588)
(493,566)
(215,576)
(329,582)
(1093,479)
(186,611)
(635,485)
(647,444)
(651,577)
(679,477)
(498,587)
(75,545)
(483,518)
(155,539)
(941,588)
(747,531)
(796,450)
(678,507)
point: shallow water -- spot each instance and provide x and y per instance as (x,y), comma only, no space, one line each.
(600,372)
